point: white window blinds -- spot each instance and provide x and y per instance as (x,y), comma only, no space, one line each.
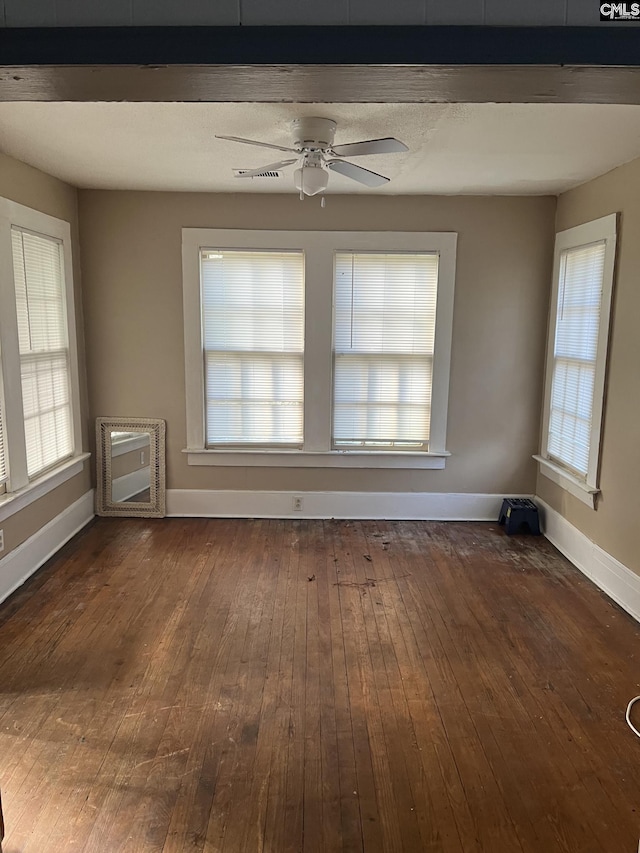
(253,334)
(578,310)
(385,314)
(3,458)
(44,349)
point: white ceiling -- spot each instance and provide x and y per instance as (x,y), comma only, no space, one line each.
(454,149)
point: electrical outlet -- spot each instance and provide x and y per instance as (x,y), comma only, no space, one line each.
(1,540)
(297,504)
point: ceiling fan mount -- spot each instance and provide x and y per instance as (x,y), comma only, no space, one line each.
(316,155)
(313,134)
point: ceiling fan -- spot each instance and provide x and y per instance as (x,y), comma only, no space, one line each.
(316,156)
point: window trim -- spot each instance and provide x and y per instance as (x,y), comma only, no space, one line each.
(14,215)
(603,229)
(319,248)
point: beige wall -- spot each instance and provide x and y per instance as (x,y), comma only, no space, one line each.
(131,257)
(28,521)
(613,524)
(29,186)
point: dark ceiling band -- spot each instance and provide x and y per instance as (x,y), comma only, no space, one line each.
(604,45)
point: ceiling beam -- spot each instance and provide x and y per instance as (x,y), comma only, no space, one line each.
(322,84)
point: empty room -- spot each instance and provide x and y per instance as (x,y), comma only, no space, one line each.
(318,453)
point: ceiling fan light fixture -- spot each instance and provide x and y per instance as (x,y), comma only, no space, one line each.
(316,156)
(311,180)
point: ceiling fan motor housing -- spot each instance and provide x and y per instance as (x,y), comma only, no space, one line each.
(313,133)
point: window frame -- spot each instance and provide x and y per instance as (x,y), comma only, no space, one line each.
(21,490)
(599,230)
(319,248)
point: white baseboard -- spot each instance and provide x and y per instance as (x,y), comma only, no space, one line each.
(429,506)
(612,576)
(27,558)
(128,485)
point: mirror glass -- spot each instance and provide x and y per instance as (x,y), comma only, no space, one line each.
(130,467)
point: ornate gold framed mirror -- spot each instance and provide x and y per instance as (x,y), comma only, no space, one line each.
(130,459)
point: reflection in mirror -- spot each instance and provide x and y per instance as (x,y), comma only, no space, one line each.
(130,466)
(130,462)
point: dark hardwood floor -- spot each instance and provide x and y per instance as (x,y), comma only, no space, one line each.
(219,685)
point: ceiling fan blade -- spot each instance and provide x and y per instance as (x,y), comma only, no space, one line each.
(357,173)
(254,142)
(271,167)
(389,145)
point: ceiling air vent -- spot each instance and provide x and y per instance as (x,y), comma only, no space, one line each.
(268,174)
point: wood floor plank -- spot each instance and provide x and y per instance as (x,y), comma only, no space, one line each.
(384,665)
(274,832)
(449,823)
(541,700)
(59,730)
(429,799)
(292,804)
(312,809)
(482,661)
(262,693)
(493,823)
(523,704)
(375,831)
(236,729)
(346,778)
(200,685)
(331,793)
(179,754)
(205,703)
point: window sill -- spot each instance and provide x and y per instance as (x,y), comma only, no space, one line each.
(569,482)
(317,459)
(13,502)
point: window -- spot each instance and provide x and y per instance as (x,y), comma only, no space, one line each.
(317,348)
(385,317)
(253,335)
(578,337)
(39,418)
(3,458)
(44,349)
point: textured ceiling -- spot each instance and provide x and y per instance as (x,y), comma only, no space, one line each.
(454,149)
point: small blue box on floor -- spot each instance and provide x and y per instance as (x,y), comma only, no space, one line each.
(518,512)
